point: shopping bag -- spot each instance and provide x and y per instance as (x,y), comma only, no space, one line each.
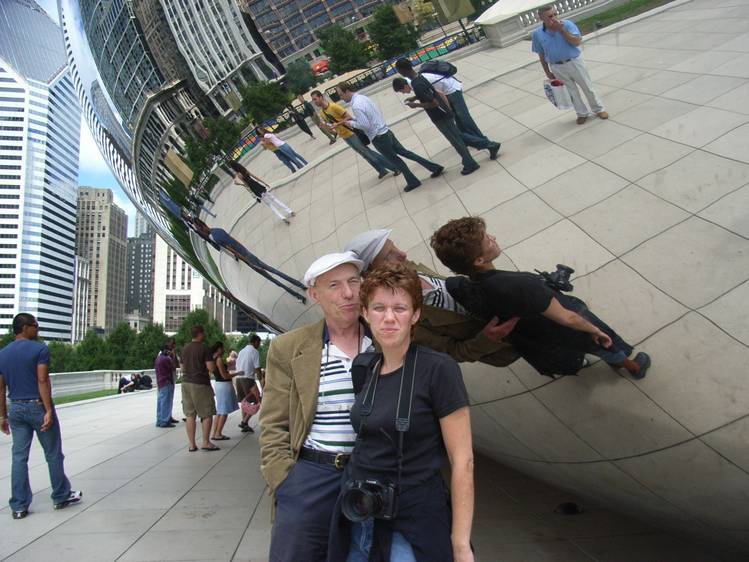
(558,94)
(248,408)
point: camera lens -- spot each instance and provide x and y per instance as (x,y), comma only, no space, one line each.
(360,504)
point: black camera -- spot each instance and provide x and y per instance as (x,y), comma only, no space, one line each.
(363,499)
(558,280)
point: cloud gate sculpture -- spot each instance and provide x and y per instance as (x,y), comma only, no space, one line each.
(650,237)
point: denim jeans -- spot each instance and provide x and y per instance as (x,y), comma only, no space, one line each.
(463,118)
(286,160)
(293,155)
(164,404)
(25,419)
(373,158)
(390,148)
(450,131)
(361,544)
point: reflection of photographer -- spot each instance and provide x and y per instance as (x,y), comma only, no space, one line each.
(411,409)
(555,330)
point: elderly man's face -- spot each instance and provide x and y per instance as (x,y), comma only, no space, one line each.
(390,253)
(337,293)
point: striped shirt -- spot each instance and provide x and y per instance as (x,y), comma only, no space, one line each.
(438,296)
(331,429)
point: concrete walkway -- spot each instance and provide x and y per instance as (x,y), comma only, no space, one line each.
(147,498)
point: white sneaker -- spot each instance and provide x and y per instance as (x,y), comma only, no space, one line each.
(74,497)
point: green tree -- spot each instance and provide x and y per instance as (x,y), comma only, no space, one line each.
(201,153)
(61,355)
(145,347)
(7,338)
(299,77)
(392,37)
(90,354)
(118,345)
(344,50)
(213,331)
(264,100)
(424,11)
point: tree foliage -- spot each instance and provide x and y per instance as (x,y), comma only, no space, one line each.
(299,77)
(344,50)
(392,37)
(264,100)
(213,331)
(201,153)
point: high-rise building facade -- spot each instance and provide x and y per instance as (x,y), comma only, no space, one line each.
(219,49)
(39,143)
(179,289)
(142,226)
(290,27)
(101,238)
(140,261)
(81,291)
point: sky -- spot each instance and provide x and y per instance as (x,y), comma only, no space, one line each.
(93,170)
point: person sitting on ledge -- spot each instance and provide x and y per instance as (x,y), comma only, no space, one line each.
(555,330)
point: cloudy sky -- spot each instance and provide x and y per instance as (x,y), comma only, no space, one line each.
(93,170)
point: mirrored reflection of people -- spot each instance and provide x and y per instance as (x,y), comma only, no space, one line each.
(197,392)
(165,381)
(244,178)
(440,112)
(306,435)
(285,160)
(369,119)
(557,43)
(298,118)
(24,375)
(226,398)
(310,111)
(248,363)
(444,325)
(555,329)
(283,147)
(335,113)
(225,241)
(421,525)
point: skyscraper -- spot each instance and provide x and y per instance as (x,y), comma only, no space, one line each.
(102,238)
(140,263)
(39,143)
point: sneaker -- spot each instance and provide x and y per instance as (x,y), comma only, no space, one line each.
(287,221)
(381,175)
(242,425)
(468,171)
(247,429)
(172,420)
(74,497)
(582,119)
(602,115)
(643,360)
(20,514)
(494,150)
(436,173)
(411,187)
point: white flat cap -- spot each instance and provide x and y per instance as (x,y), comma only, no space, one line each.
(368,244)
(329,261)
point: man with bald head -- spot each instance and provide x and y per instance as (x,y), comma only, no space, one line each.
(444,324)
(306,436)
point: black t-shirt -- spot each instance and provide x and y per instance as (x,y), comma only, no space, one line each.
(438,392)
(425,93)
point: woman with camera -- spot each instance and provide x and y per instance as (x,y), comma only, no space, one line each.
(410,413)
(554,330)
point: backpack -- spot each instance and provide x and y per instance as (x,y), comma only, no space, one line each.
(441,67)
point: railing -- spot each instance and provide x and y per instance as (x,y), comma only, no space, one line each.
(505,25)
(66,384)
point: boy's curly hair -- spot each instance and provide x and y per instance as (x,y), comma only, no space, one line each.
(458,243)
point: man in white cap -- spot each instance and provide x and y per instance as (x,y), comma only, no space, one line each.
(444,324)
(306,436)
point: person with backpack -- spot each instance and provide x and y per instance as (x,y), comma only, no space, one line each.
(441,74)
(439,111)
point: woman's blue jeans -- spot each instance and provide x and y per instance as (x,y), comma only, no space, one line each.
(293,155)
(26,418)
(361,543)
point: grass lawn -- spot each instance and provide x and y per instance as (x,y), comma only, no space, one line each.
(85,396)
(606,18)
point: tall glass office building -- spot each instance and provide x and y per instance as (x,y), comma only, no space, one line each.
(39,141)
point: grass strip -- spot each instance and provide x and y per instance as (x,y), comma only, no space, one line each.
(614,15)
(84,396)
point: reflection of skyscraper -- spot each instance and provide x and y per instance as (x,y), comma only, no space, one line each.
(290,26)
(40,126)
(125,66)
(219,49)
(109,120)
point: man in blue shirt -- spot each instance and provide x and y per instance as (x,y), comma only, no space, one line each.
(24,370)
(557,43)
